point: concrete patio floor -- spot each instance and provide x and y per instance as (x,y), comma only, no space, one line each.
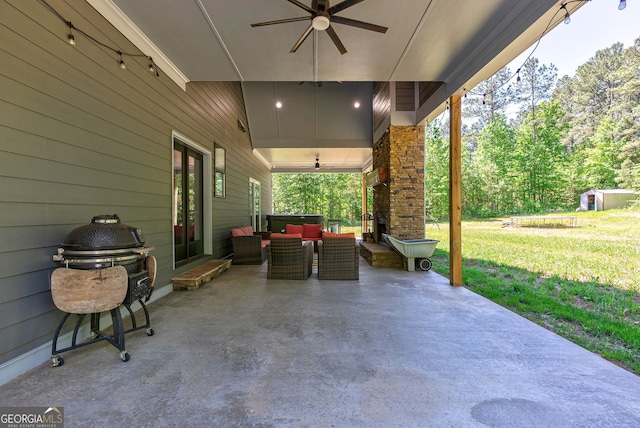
(395,348)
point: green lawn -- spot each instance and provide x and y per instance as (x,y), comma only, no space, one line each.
(583,283)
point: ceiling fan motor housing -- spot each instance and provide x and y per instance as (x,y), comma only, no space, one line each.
(320,22)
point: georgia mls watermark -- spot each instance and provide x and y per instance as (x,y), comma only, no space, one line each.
(31,417)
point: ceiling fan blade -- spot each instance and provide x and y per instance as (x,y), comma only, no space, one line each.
(302,6)
(342,6)
(359,24)
(301,39)
(336,40)
(281,21)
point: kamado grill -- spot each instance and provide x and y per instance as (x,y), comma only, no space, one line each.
(106,265)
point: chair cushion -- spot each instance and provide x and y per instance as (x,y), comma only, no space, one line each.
(237,231)
(338,235)
(293,228)
(286,235)
(312,230)
(264,243)
(242,231)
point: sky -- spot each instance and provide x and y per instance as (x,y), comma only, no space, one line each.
(595,26)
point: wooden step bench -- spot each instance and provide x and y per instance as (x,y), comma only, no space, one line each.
(199,275)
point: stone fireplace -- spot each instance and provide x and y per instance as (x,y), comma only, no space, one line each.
(398,202)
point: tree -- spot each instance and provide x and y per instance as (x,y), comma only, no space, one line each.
(436,172)
(333,195)
(535,86)
(599,89)
(600,159)
(492,167)
(489,99)
(539,162)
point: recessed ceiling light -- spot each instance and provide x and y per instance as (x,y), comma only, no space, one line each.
(356,104)
(278,104)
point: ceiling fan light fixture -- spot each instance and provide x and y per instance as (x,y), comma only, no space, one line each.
(320,22)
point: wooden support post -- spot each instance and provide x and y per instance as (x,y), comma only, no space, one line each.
(455,190)
(365,208)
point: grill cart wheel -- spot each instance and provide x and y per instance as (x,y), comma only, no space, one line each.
(150,332)
(56,361)
(124,356)
(424,264)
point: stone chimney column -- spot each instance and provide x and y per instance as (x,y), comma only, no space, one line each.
(398,206)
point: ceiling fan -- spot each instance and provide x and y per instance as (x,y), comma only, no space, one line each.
(322,15)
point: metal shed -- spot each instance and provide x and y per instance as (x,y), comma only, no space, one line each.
(599,200)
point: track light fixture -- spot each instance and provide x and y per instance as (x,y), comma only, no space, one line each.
(317,165)
(622,5)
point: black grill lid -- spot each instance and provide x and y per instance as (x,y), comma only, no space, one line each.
(104,232)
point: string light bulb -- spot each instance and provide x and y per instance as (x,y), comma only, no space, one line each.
(70,39)
(567,17)
(122,64)
(622,5)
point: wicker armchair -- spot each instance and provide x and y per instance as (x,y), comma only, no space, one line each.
(338,258)
(289,258)
(249,248)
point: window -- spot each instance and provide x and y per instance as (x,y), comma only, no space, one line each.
(219,172)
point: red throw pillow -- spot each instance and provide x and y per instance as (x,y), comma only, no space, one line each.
(293,228)
(312,230)
(286,235)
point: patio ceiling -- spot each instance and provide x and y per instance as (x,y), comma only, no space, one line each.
(457,42)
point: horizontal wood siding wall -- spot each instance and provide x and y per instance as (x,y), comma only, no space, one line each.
(80,137)
(405,96)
